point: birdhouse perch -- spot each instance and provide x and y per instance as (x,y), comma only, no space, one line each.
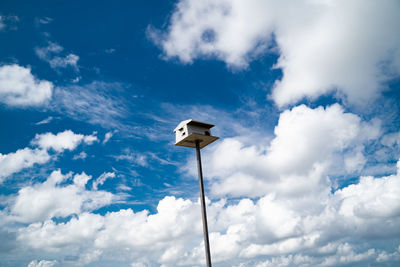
(188,131)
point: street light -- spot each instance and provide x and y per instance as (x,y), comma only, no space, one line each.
(196,134)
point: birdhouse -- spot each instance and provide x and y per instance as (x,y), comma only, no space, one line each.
(189,131)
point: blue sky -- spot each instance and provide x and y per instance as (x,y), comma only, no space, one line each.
(304,96)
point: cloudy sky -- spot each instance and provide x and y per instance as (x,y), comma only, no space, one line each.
(305,96)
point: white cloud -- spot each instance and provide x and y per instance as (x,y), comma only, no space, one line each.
(96,103)
(323,46)
(123,187)
(44,20)
(273,231)
(137,158)
(54,198)
(391,139)
(66,140)
(21,159)
(91,256)
(81,180)
(107,137)
(42,263)
(128,234)
(143,231)
(81,155)
(69,60)
(139,264)
(102,178)
(19,88)
(50,52)
(367,200)
(45,121)
(309,144)
(27,157)
(345,255)
(51,236)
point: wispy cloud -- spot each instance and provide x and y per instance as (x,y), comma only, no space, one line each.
(45,121)
(9,22)
(96,103)
(138,158)
(102,178)
(44,20)
(110,51)
(239,122)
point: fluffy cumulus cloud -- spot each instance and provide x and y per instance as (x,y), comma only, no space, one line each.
(41,153)
(23,158)
(123,234)
(19,88)
(309,144)
(323,46)
(270,231)
(56,198)
(66,140)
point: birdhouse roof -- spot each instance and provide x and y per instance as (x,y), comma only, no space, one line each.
(194,123)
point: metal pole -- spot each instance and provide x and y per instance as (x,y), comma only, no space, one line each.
(203,205)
